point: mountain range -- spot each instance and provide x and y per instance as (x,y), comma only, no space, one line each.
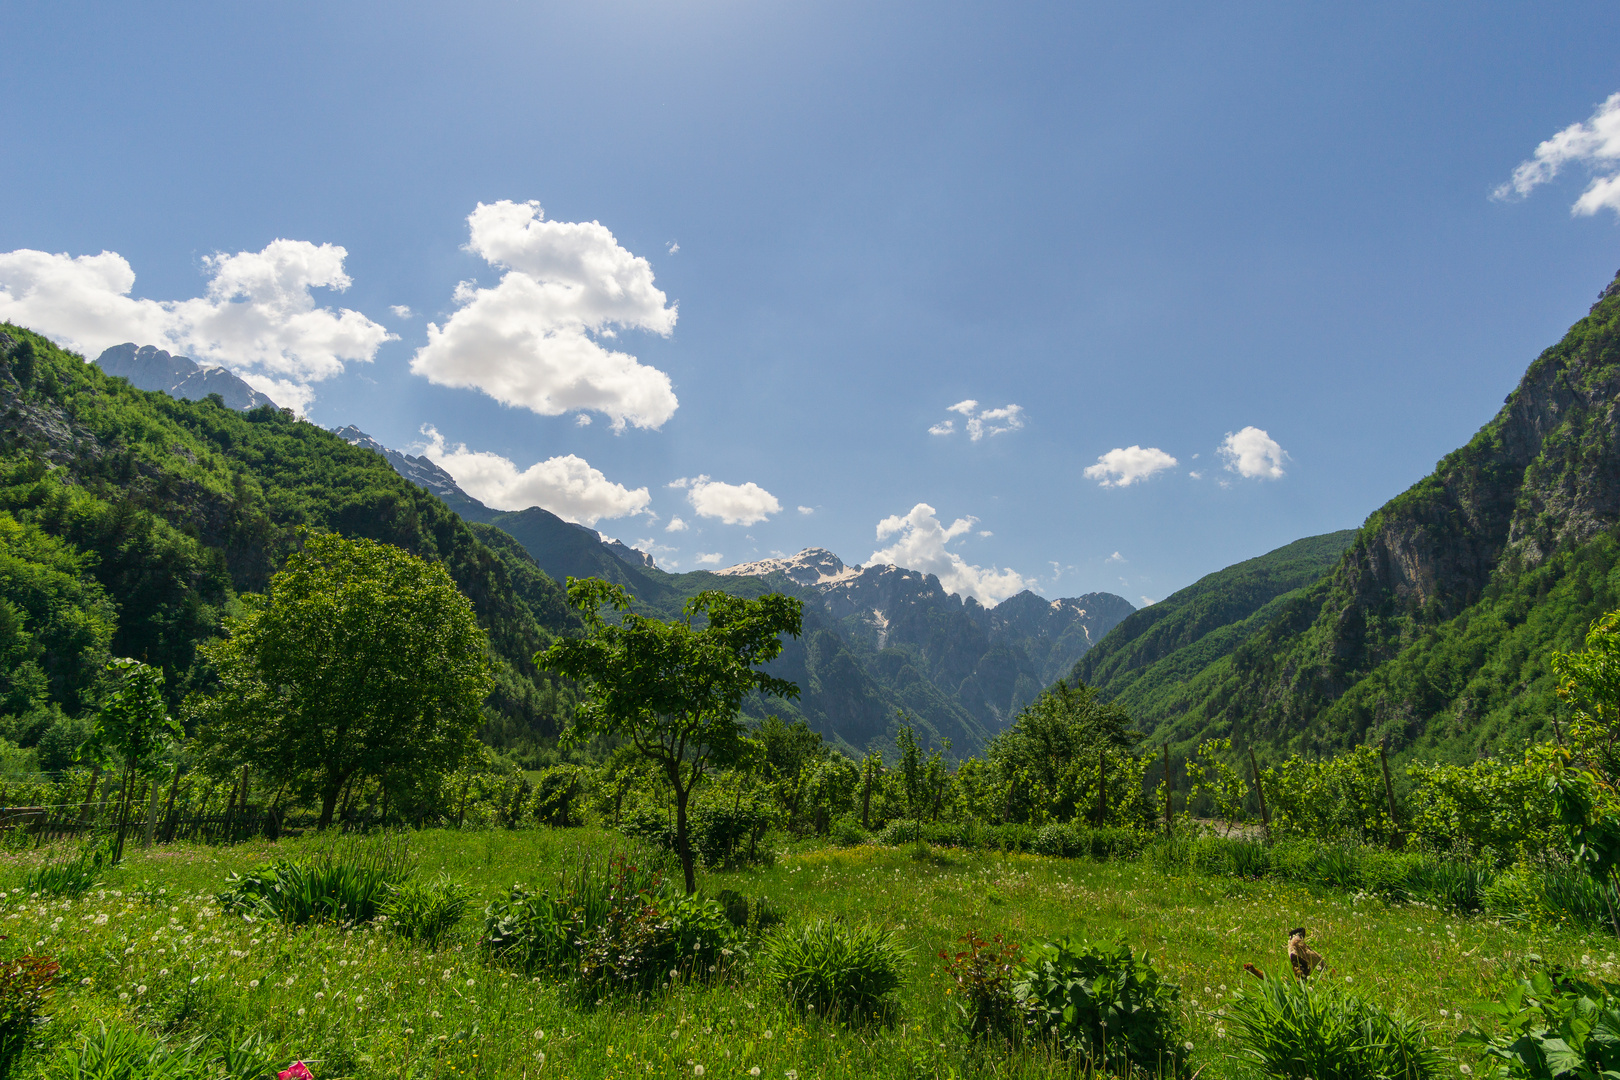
(1430,628)
(150,368)
(879,641)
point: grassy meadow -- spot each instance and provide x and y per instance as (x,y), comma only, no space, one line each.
(152,947)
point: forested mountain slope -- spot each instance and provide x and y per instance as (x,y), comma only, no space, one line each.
(1436,626)
(1146,661)
(130,522)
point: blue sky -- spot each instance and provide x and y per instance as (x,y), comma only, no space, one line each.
(1146,226)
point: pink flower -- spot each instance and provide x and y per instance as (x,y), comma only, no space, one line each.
(297,1071)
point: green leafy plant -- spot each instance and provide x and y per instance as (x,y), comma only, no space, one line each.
(425,911)
(347,883)
(1553,1027)
(1317,1030)
(124,1052)
(1105,1003)
(75,876)
(832,967)
(983,992)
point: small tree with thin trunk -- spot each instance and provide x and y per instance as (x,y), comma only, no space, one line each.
(130,729)
(673,688)
(361,660)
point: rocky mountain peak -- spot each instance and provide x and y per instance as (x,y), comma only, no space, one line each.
(150,368)
(811,567)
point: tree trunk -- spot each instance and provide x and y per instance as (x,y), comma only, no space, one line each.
(866,800)
(151,810)
(123,813)
(683,845)
(329,798)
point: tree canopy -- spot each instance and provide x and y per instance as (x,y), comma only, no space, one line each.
(672,688)
(361,660)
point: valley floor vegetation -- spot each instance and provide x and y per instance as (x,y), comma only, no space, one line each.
(435,953)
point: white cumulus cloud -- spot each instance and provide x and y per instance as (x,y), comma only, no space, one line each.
(1594,144)
(807,509)
(402,311)
(676,525)
(919,544)
(531,340)
(1253,454)
(1124,466)
(734,504)
(710,558)
(566,485)
(256,317)
(981,422)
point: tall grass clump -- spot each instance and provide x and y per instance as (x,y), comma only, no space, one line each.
(1317,1030)
(425,911)
(348,882)
(831,967)
(611,924)
(75,876)
(1104,1003)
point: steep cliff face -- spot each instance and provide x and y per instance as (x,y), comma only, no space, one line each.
(1542,478)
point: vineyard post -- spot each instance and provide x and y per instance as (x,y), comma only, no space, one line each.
(1102,787)
(1265,815)
(1168,789)
(1389,791)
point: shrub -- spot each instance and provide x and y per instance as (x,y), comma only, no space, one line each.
(425,911)
(1316,1030)
(26,984)
(347,883)
(983,994)
(832,967)
(1549,1027)
(1073,840)
(612,924)
(1104,1003)
(847,832)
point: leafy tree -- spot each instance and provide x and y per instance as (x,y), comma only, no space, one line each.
(673,688)
(131,728)
(362,660)
(1589,682)
(1052,749)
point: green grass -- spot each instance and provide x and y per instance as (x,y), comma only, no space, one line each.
(154,948)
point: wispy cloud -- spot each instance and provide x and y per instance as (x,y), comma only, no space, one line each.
(1594,144)
(981,422)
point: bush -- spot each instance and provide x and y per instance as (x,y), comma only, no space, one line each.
(1104,1003)
(26,984)
(983,994)
(1316,1030)
(1076,841)
(425,911)
(847,832)
(612,924)
(832,967)
(347,883)
(1549,1027)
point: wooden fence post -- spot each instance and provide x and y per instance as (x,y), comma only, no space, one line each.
(89,795)
(1265,816)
